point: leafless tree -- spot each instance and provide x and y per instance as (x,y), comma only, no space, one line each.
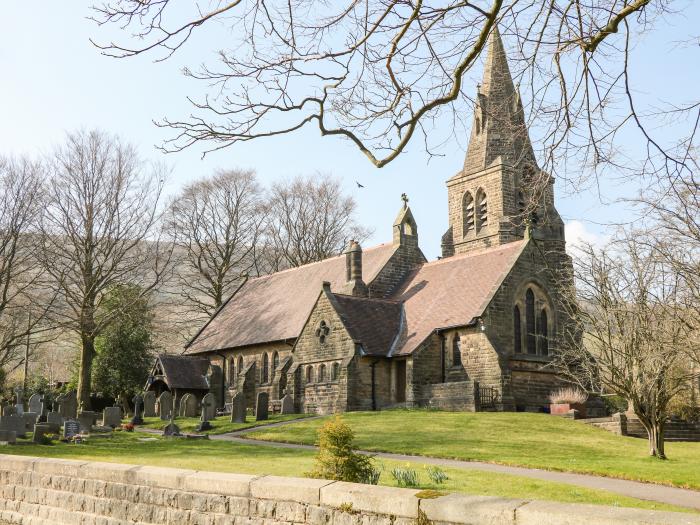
(309,219)
(23,307)
(629,309)
(217,224)
(99,229)
(380,73)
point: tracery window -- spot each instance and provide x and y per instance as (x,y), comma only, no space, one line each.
(531,328)
(517,332)
(467,214)
(482,212)
(530,333)
(322,332)
(456,350)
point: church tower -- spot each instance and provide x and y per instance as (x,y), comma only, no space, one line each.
(500,195)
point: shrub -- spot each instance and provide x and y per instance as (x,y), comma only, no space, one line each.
(337,460)
(436,474)
(568,395)
(405,477)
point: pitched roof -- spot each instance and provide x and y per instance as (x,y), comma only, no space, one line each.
(374,323)
(452,291)
(275,307)
(185,371)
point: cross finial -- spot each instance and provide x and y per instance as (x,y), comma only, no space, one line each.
(404,198)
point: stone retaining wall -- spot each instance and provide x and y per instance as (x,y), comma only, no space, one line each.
(52,491)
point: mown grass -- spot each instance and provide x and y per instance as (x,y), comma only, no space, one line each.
(222,456)
(530,440)
(220,425)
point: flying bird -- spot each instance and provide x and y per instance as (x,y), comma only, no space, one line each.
(359,185)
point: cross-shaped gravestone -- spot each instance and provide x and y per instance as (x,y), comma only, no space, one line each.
(171,429)
(208,407)
(138,410)
(19,402)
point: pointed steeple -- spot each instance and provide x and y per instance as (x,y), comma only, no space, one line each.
(499,128)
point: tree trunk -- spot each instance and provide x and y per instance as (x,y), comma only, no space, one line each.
(87,353)
(126,406)
(655,434)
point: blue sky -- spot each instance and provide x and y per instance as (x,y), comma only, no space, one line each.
(54,80)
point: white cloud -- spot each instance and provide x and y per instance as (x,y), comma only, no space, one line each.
(578,234)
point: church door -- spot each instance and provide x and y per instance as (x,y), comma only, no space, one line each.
(400,368)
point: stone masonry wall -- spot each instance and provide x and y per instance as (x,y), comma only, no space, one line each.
(40,491)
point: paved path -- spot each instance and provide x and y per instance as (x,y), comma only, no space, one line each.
(634,489)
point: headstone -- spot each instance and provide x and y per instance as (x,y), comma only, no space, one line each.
(188,406)
(36,404)
(171,429)
(30,419)
(71,427)
(19,403)
(208,407)
(87,419)
(238,408)
(287,405)
(68,405)
(112,417)
(165,405)
(54,418)
(8,437)
(261,406)
(40,430)
(8,410)
(149,404)
(138,410)
(14,423)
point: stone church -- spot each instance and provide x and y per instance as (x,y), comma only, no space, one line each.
(383,327)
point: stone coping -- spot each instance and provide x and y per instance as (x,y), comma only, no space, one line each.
(366,499)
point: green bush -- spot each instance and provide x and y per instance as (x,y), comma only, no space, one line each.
(337,460)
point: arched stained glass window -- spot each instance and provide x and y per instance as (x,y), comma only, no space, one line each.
(517,331)
(530,328)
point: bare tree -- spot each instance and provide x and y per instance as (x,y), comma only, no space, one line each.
(217,224)
(629,337)
(379,73)
(99,230)
(23,306)
(309,219)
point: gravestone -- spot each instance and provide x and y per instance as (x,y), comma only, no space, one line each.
(54,418)
(14,423)
(138,410)
(68,405)
(8,437)
(36,404)
(165,406)
(71,427)
(171,429)
(208,407)
(208,412)
(261,406)
(30,419)
(19,403)
(149,404)
(287,405)
(40,430)
(8,410)
(87,419)
(188,406)
(112,417)
(238,408)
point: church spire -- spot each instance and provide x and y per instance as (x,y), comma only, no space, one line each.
(499,128)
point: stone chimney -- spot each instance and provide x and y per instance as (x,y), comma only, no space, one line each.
(353,271)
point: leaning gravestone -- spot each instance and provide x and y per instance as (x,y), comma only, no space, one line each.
(71,428)
(14,423)
(138,410)
(68,405)
(30,419)
(165,406)
(8,437)
(287,405)
(112,417)
(149,404)
(238,408)
(261,407)
(188,406)
(36,404)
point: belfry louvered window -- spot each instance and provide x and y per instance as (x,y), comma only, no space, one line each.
(482,212)
(467,214)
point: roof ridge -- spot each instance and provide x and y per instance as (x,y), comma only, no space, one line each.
(481,251)
(375,299)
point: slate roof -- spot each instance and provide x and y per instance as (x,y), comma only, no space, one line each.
(451,292)
(374,323)
(185,371)
(275,307)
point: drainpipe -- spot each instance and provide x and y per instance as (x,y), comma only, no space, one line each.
(374,394)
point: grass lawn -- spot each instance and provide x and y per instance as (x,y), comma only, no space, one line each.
(224,456)
(221,425)
(530,440)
